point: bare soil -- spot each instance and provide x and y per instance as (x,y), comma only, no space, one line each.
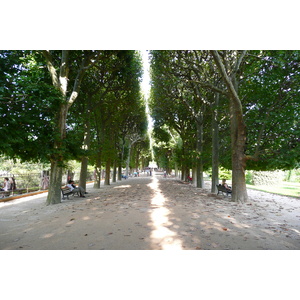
(151,213)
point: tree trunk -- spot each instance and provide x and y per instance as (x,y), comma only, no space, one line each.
(86,147)
(54,191)
(194,175)
(119,171)
(83,172)
(128,160)
(176,170)
(114,179)
(199,164)
(107,173)
(97,181)
(238,139)
(215,146)
(238,132)
(182,175)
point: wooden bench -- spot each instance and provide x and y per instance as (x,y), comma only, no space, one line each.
(222,189)
(66,192)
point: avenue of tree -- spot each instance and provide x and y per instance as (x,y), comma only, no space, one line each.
(82,105)
(233,109)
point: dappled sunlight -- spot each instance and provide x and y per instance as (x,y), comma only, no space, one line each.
(122,186)
(295,230)
(161,235)
(48,235)
(24,199)
(235,222)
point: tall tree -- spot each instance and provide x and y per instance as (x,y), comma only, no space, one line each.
(59,67)
(238,129)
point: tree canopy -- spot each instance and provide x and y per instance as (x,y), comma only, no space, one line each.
(256,111)
(62,105)
(233,109)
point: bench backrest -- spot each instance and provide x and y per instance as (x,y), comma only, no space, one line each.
(222,188)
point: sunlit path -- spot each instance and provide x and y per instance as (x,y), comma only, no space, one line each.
(161,235)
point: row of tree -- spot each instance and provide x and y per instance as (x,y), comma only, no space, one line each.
(84,105)
(234,109)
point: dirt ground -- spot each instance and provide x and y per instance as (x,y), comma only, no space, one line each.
(151,213)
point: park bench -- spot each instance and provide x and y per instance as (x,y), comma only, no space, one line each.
(66,192)
(222,189)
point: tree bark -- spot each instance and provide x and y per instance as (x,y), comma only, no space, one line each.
(128,160)
(176,170)
(97,181)
(194,175)
(54,192)
(215,145)
(86,147)
(55,179)
(107,172)
(114,179)
(119,172)
(199,164)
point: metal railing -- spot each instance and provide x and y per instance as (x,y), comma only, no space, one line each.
(38,181)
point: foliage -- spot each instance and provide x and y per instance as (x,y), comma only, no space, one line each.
(18,167)
(28,105)
(225,173)
(270,89)
(268,84)
(265,177)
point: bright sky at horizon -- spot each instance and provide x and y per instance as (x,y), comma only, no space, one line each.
(145,85)
(146,76)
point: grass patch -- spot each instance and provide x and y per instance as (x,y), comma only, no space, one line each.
(291,189)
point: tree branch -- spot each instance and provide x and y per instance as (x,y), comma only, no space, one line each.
(212,87)
(85,65)
(51,69)
(227,80)
(239,61)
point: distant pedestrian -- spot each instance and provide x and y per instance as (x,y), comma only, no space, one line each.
(6,186)
(13,185)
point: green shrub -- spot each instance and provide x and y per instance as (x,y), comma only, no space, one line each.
(224,174)
(248,177)
(267,177)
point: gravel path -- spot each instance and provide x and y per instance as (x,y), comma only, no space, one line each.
(151,213)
